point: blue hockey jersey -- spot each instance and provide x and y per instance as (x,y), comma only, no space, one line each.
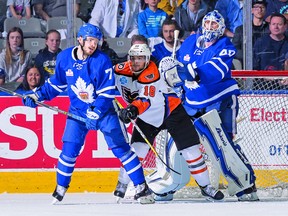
(88,82)
(161,50)
(213,66)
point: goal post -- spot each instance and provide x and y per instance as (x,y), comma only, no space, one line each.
(262,133)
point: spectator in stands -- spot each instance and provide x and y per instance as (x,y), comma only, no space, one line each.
(139,39)
(211,4)
(32,78)
(44,9)
(46,58)
(85,10)
(232,11)
(18,9)
(280,6)
(269,51)
(259,27)
(150,20)
(14,59)
(165,48)
(169,6)
(189,16)
(115,59)
(116,18)
(2,16)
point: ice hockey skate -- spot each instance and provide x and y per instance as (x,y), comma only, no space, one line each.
(143,194)
(211,193)
(58,194)
(120,191)
(249,195)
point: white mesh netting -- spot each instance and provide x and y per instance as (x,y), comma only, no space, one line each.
(262,134)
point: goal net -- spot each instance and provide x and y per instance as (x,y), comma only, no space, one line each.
(262,134)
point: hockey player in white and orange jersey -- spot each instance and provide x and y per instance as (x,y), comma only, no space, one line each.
(155,106)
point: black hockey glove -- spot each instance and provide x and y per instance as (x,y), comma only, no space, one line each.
(131,112)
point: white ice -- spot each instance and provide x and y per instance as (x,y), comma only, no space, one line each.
(103,204)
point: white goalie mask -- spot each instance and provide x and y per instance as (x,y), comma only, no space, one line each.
(139,50)
(213,26)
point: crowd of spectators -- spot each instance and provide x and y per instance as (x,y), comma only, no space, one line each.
(145,18)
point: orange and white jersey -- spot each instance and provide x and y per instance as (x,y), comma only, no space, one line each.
(154,99)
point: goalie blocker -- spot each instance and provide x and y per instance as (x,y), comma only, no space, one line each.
(227,155)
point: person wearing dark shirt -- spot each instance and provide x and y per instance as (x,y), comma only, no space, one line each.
(32,79)
(259,27)
(46,59)
(269,51)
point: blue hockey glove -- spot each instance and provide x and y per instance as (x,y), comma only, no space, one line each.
(193,72)
(131,112)
(92,119)
(31,97)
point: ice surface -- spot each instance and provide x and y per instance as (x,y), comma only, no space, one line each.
(103,204)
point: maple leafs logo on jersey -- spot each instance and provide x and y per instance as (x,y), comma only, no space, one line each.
(83,92)
(191,85)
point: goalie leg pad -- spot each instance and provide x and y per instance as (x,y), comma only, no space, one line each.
(163,180)
(222,151)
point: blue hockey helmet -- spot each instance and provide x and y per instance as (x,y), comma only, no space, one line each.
(211,33)
(89,30)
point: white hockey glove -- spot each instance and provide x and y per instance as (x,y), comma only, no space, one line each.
(168,68)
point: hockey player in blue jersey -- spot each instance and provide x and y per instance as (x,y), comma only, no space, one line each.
(88,76)
(208,86)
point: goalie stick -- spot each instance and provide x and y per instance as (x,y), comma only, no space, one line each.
(146,140)
(176,35)
(44,105)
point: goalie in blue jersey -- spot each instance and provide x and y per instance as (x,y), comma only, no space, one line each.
(88,77)
(210,98)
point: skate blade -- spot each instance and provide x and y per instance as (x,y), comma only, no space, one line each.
(210,199)
(146,200)
(54,201)
(118,199)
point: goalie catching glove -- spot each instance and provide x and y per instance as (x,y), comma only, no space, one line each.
(168,68)
(131,112)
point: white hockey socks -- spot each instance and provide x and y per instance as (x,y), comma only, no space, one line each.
(141,149)
(196,164)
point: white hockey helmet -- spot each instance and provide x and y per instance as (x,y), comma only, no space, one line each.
(209,33)
(139,50)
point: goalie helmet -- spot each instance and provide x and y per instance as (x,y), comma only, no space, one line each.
(139,50)
(89,30)
(213,32)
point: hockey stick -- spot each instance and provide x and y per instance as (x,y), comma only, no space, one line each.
(176,35)
(44,105)
(146,140)
(123,128)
